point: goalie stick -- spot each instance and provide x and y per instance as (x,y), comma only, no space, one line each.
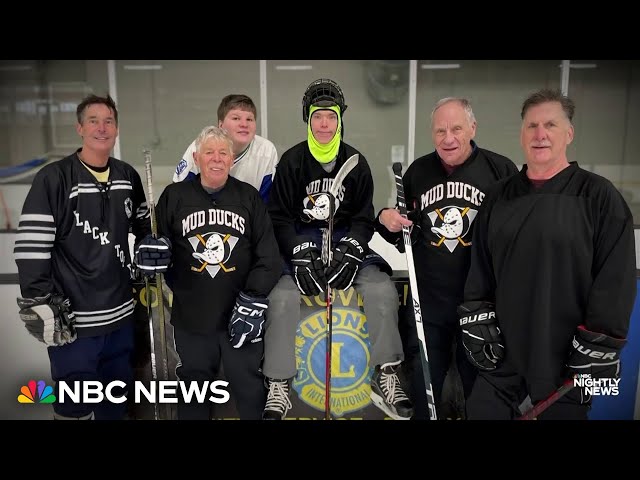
(327,238)
(161,324)
(417,312)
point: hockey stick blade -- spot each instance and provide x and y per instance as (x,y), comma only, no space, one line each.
(346,168)
(542,405)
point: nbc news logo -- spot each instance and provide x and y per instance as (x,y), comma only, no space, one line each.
(92,391)
(36,392)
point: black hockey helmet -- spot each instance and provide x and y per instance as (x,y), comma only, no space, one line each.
(322,93)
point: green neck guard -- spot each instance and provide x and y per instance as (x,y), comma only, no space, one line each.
(324,153)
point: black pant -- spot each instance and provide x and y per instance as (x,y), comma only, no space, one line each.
(104,358)
(497,395)
(200,359)
(440,323)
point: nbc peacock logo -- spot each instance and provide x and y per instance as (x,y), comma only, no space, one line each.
(36,392)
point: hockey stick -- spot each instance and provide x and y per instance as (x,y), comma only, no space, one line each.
(327,246)
(542,405)
(327,242)
(154,372)
(417,312)
(161,324)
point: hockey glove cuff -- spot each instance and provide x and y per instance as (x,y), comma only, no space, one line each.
(49,319)
(481,335)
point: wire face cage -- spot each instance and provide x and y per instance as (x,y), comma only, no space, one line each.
(322,93)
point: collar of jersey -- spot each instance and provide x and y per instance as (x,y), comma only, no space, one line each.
(244,152)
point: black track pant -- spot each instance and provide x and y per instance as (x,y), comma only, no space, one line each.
(200,359)
(440,323)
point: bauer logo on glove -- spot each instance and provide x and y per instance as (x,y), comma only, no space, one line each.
(478,317)
(481,336)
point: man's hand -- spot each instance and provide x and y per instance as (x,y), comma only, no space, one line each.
(481,335)
(49,319)
(247,320)
(392,220)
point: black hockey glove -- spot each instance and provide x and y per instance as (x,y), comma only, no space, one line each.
(247,320)
(481,335)
(596,354)
(345,261)
(153,255)
(49,319)
(308,269)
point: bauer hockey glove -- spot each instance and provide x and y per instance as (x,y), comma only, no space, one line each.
(345,261)
(153,255)
(247,320)
(49,319)
(481,335)
(308,269)
(596,354)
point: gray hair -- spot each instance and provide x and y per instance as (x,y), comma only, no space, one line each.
(464,103)
(546,95)
(216,133)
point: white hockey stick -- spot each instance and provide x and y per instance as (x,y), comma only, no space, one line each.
(417,311)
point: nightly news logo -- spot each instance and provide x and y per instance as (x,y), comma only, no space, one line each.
(92,391)
(597,386)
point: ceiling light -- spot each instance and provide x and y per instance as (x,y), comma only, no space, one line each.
(142,67)
(440,66)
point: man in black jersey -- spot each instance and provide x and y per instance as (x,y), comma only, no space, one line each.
(225,261)
(299,212)
(444,191)
(552,280)
(74,262)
